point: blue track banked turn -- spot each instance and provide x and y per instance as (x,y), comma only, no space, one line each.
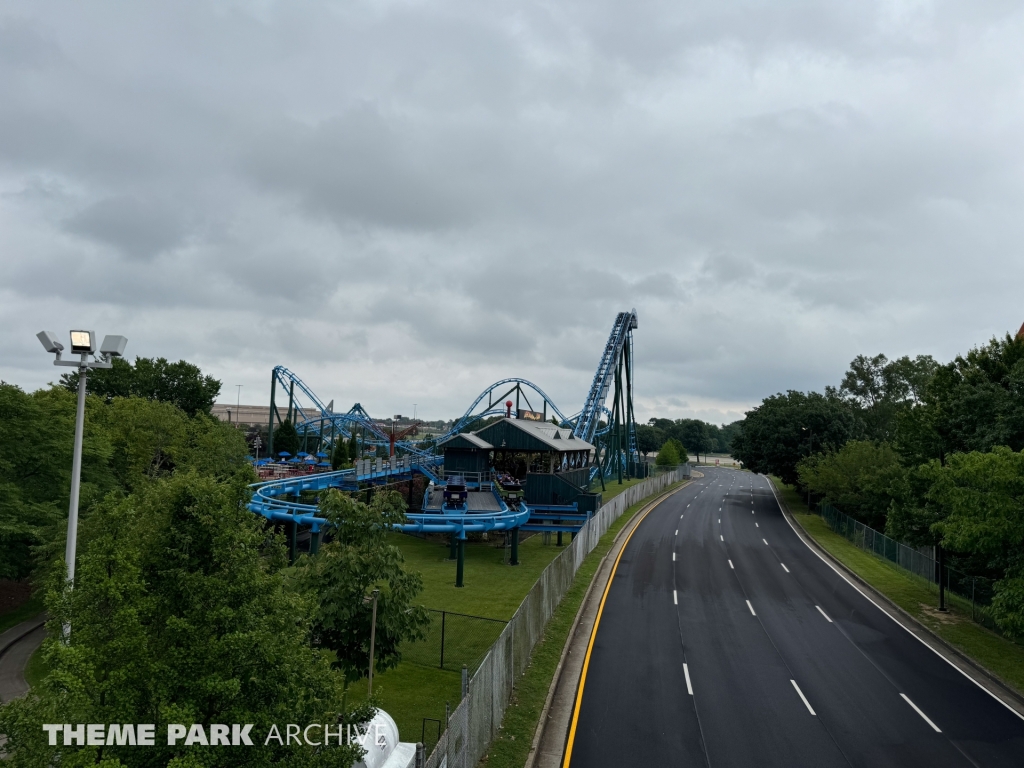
(265,501)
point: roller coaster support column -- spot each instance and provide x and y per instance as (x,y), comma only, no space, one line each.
(270,428)
(460,566)
(293,535)
(515,547)
(314,541)
(453,547)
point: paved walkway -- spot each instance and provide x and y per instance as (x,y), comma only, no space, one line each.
(17,645)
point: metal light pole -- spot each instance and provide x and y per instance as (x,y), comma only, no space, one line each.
(83,343)
(238,400)
(373,636)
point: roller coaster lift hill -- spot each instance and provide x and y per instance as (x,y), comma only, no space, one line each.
(529,470)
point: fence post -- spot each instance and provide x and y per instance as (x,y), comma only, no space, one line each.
(421,755)
(942,584)
(442,639)
(465,681)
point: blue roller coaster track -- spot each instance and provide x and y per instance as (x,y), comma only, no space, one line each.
(611,430)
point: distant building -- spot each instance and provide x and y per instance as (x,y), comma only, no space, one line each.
(245,415)
(1020,333)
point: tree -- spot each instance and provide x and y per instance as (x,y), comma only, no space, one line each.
(340,455)
(127,442)
(353,447)
(286,439)
(180,614)
(861,479)
(648,439)
(182,384)
(778,433)
(680,450)
(668,456)
(343,574)
(974,506)
(973,403)
(882,390)
(728,433)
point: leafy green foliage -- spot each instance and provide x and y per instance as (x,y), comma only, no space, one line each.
(697,436)
(340,455)
(861,478)
(882,390)
(36,441)
(973,403)
(180,614)
(648,439)
(779,432)
(974,505)
(286,438)
(127,442)
(344,573)
(182,384)
(668,456)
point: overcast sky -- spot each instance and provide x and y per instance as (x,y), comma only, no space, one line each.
(405,201)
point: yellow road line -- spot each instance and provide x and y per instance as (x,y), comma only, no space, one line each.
(593,633)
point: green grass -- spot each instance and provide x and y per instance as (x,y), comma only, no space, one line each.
(519,724)
(33,607)
(915,596)
(612,488)
(492,589)
(412,691)
(36,668)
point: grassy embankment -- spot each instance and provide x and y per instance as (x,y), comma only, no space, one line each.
(915,596)
(410,691)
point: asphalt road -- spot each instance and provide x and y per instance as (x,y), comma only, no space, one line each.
(725,641)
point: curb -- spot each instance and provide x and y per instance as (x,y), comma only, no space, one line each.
(556,678)
(989,681)
(29,626)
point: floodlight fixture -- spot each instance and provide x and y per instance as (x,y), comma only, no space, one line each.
(83,342)
(49,341)
(113,346)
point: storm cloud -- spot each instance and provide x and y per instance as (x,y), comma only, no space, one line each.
(405,201)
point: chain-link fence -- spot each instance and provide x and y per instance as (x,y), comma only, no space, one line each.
(970,594)
(454,640)
(475,722)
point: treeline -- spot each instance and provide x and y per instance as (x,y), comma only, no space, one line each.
(185,608)
(695,436)
(930,453)
(142,422)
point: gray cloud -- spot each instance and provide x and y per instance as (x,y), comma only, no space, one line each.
(405,202)
(139,229)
